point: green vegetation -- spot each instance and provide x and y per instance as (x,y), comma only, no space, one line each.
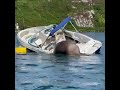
(29,13)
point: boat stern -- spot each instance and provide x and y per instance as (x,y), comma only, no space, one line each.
(91,47)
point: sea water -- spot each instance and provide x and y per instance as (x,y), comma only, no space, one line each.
(41,71)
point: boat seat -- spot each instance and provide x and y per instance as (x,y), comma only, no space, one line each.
(50,46)
(59,36)
(85,47)
(38,41)
(80,38)
(42,36)
(35,42)
(27,36)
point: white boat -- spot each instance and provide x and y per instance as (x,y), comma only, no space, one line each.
(45,38)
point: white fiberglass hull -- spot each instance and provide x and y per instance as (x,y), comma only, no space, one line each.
(87,45)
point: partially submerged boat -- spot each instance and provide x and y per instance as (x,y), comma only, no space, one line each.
(45,38)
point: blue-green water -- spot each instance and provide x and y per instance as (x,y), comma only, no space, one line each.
(59,72)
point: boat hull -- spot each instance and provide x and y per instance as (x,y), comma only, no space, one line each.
(87,45)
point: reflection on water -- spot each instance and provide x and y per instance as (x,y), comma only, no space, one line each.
(60,72)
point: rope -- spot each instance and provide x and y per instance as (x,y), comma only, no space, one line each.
(73,26)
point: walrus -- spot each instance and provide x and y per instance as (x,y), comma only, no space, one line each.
(66,47)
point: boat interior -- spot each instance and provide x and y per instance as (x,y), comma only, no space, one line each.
(38,37)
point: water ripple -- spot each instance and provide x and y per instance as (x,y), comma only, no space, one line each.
(26,83)
(48,66)
(71,87)
(31,64)
(44,87)
(90,84)
(23,72)
(79,76)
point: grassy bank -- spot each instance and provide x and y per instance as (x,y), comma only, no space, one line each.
(29,13)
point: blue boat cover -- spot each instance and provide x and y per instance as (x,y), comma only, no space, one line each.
(66,20)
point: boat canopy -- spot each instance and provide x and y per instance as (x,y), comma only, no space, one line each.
(59,26)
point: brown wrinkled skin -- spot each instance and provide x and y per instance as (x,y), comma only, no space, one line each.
(68,48)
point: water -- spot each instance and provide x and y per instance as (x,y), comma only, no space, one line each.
(59,72)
